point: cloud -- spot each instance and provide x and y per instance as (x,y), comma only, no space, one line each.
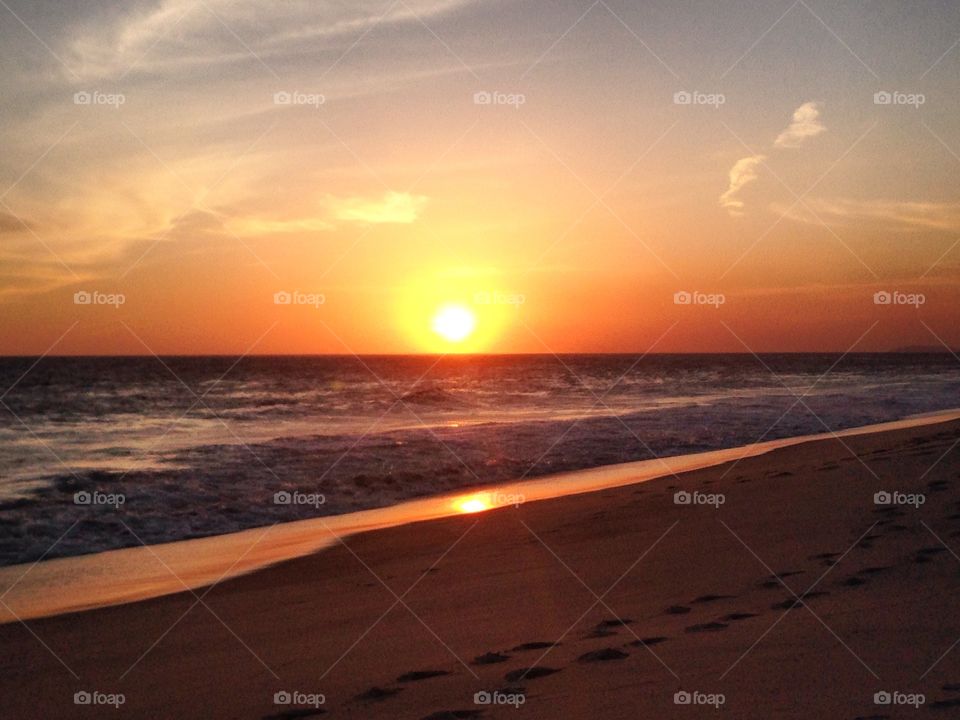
(742,173)
(805,124)
(889,213)
(158,35)
(394,207)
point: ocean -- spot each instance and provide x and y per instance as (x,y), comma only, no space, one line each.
(101,453)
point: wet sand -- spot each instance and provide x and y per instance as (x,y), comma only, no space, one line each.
(791,594)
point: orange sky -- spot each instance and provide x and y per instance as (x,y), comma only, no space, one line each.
(611,161)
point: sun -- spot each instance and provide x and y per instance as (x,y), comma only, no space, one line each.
(454,323)
(472,504)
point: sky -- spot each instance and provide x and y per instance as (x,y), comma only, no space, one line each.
(231,177)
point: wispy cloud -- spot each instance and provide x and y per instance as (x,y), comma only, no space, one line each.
(159,35)
(890,213)
(742,173)
(393,207)
(805,124)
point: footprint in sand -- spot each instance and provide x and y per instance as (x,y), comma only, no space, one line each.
(706,627)
(294,714)
(376,694)
(854,581)
(604,655)
(925,555)
(606,627)
(647,642)
(775,581)
(490,658)
(417,675)
(710,598)
(534,646)
(529,673)
(599,632)
(943,704)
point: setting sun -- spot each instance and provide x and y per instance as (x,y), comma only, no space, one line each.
(454,323)
(472,504)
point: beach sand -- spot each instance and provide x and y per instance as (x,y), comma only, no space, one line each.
(599,605)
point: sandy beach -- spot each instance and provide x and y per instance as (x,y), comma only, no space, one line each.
(771,587)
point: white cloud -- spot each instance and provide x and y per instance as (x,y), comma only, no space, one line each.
(742,173)
(889,213)
(153,35)
(805,124)
(394,207)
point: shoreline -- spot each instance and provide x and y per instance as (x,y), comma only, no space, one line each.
(116,577)
(609,604)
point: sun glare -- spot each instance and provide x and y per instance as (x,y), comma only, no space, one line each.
(454,323)
(472,504)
